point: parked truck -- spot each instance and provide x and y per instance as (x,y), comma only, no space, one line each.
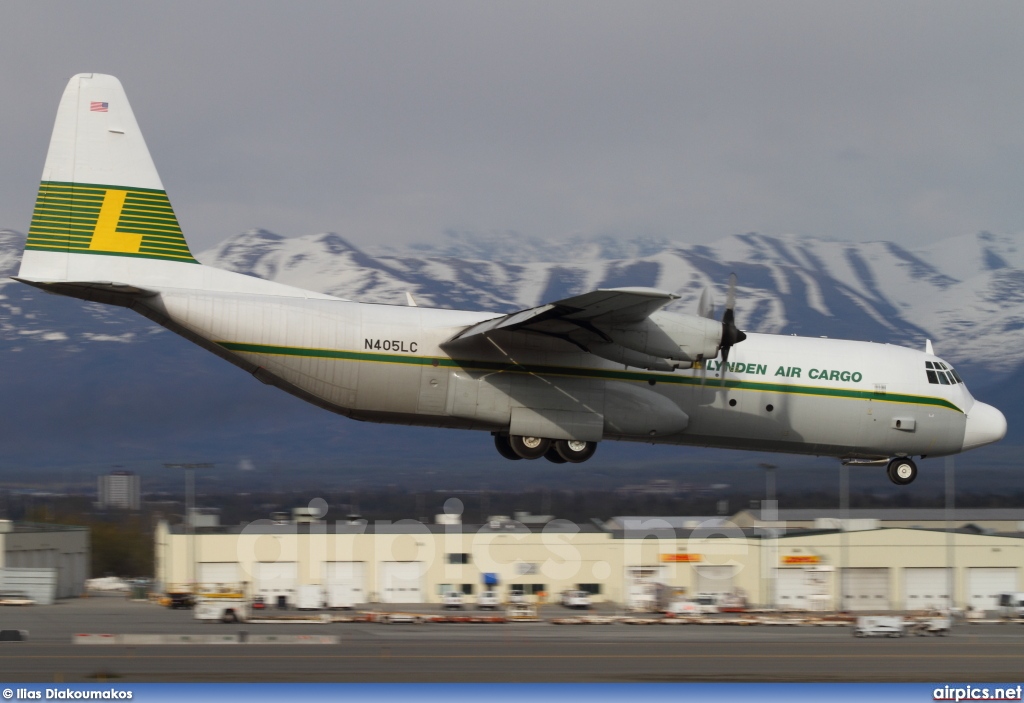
(227,607)
(1011,605)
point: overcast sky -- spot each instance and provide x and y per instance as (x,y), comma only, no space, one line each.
(391,122)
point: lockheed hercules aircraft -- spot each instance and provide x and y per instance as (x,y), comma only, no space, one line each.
(552,381)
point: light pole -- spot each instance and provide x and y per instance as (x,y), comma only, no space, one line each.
(844,517)
(950,535)
(190,500)
(770,512)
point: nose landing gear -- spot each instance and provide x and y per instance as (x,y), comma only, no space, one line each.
(902,471)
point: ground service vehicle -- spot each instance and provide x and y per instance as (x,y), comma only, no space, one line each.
(1011,605)
(452,599)
(488,600)
(576,599)
(879,626)
(225,608)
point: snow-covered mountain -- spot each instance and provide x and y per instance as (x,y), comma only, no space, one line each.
(966,294)
(118,386)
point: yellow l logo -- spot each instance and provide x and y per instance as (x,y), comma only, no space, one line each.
(106,237)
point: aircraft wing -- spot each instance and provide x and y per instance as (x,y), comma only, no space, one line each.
(608,306)
(614,324)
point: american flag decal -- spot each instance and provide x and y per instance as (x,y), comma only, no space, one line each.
(97,107)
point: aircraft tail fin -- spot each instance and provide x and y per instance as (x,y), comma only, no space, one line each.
(102,213)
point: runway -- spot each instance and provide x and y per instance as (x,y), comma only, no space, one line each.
(526,652)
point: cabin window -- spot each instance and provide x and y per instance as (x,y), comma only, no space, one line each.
(940,374)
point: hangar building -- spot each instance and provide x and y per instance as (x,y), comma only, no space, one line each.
(43,561)
(859,565)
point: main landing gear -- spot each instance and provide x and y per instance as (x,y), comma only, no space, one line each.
(902,471)
(558,451)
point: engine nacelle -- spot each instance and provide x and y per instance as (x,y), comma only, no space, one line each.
(665,335)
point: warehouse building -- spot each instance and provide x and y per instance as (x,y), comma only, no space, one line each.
(43,561)
(995,519)
(863,567)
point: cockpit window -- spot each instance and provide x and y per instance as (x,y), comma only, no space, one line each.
(941,375)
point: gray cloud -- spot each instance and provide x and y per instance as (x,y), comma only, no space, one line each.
(394,121)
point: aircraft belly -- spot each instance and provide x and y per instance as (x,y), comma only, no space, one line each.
(913,429)
(821,425)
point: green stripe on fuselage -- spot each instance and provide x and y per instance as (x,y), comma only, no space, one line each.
(580,372)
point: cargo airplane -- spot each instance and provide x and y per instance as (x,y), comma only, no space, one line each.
(552,381)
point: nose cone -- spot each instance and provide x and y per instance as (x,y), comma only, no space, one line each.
(985,425)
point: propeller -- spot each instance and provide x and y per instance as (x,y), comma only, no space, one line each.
(706,306)
(731,334)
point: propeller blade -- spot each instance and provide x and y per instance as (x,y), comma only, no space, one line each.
(731,334)
(706,305)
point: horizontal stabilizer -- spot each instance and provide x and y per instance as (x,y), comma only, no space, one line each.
(95,291)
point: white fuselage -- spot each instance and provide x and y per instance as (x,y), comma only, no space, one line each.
(386,364)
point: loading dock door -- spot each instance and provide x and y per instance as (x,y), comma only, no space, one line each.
(794,588)
(866,589)
(926,588)
(274,580)
(715,579)
(219,573)
(984,584)
(345,582)
(401,581)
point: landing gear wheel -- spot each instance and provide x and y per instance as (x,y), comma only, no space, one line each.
(501,443)
(575,451)
(529,447)
(553,456)
(902,471)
